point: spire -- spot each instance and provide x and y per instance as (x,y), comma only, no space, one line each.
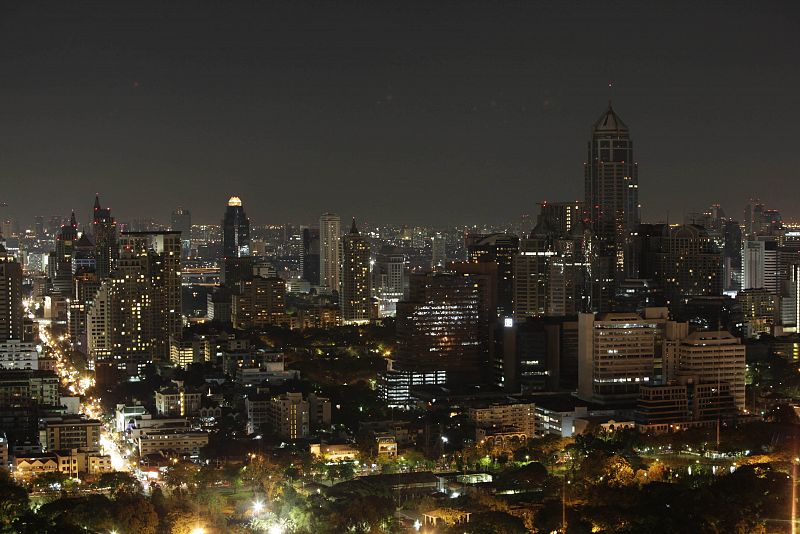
(96,201)
(353,229)
(610,122)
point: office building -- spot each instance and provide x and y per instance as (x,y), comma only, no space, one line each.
(329,235)
(235,230)
(60,261)
(389,280)
(616,354)
(442,327)
(438,251)
(355,288)
(498,249)
(291,416)
(714,356)
(612,204)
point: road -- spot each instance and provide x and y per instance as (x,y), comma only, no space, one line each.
(78,384)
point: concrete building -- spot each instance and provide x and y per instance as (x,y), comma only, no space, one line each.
(616,354)
(16,354)
(172,442)
(10,297)
(177,400)
(714,357)
(259,302)
(57,433)
(519,416)
(291,416)
(28,386)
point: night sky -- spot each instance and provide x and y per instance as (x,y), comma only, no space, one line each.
(396,112)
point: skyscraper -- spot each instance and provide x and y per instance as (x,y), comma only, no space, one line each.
(61,263)
(499,249)
(442,327)
(612,202)
(329,235)
(355,297)
(105,238)
(311,255)
(237,262)
(10,297)
(181,221)
(235,230)
(138,307)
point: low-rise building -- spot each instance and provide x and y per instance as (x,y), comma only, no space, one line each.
(520,416)
(177,400)
(334,452)
(69,432)
(175,442)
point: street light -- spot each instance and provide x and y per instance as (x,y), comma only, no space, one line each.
(257,507)
(198,530)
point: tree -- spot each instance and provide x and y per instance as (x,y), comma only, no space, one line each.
(13,500)
(119,482)
(266,474)
(493,523)
(134,514)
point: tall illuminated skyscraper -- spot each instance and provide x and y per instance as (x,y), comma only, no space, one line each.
(235,230)
(237,262)
(355,297)
(60,270)
(105,239)
(329,235)
(10,297)
(612,203)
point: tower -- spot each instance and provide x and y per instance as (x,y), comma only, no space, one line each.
(105,238)
(10,297)
(235,230)
(611,180)
(355,288)
(237,262)
(329,234)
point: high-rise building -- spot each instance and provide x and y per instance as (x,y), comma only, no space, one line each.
(683,260)
(561,216)
(499,249)
(10,297)
(181,221)
(60,267)
(530,277)
(612,203)
(311,260)
(759,309)
(105,239)
(389,280)
(259,302)
(355,294)
(616,353)
(438,251)
(440,328)
(709,356)
(329,235)
(235,230)
(86,284)
(138,308)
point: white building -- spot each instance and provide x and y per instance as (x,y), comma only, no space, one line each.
(16,354)
(715,356)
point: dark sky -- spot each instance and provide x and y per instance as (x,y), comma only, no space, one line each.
(429,112)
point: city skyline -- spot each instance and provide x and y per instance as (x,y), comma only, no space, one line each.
(87,105)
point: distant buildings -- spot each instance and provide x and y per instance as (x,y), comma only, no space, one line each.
(289,416)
